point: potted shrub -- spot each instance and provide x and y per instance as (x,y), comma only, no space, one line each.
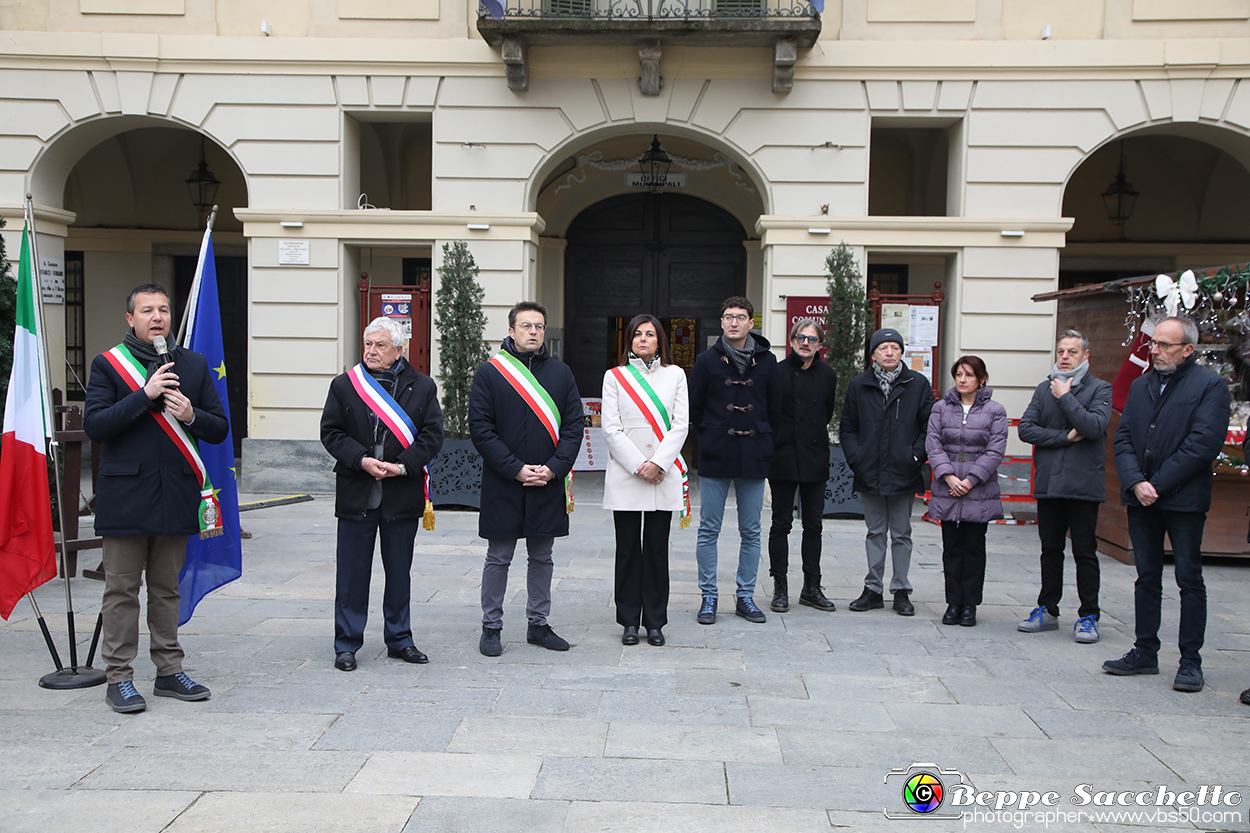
(846,333)
(456,474)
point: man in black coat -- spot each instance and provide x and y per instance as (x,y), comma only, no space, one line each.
(803,390)
(729,407)
(885,420)
(525,419)
(1174,425)
(1066,423)
(379,486)
(149,495)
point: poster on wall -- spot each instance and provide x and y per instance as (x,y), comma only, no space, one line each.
(924,326)
(593,455)
(919,359)
(897,317)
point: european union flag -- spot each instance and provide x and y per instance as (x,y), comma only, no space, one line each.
(212,562)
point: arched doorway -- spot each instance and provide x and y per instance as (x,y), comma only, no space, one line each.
(125,180)
(672,255)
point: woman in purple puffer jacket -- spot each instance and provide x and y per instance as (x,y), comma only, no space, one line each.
(966,441)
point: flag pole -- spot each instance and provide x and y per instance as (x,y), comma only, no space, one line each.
(73,676)
(188,315)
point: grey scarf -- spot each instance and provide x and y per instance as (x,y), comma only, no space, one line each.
(740,358)
(886,378)
(1076,374)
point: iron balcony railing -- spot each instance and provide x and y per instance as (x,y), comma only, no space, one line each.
(657,10)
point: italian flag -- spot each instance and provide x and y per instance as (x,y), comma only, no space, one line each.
(27,554)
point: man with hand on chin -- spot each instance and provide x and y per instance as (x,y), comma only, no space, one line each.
(148,411)
(1174,425)
(383,425)
(1066,422)
(525,419)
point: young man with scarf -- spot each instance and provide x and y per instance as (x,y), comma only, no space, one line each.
(382,424)
(149,409)
(885,421)
(729,406)
(1066,423)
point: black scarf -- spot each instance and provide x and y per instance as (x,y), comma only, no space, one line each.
(146,353)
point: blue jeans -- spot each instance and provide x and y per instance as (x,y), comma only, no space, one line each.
(712,494)
(1146,527)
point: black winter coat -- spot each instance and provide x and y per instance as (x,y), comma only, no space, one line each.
(803,402)
(1072,471)
(508,435)
(730,409)
(347,433)
(1171,438)
(884,437)
(146,486)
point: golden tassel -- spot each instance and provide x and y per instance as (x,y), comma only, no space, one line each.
(427,518)
(684,523)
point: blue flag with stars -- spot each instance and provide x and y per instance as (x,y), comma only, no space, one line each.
(212,562)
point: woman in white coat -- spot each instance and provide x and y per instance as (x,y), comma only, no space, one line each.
(646,415)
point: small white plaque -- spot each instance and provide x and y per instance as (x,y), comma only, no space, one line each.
(52,280)
(293,253)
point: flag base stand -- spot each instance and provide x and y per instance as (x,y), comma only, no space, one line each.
(80,676)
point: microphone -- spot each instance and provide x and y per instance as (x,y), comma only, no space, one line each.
(162,351)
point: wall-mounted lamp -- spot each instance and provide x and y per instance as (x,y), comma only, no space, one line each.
(819,231)
(264,28)
(1120,196)
(1011,233)
(291,224)
(202,185)
(479,227)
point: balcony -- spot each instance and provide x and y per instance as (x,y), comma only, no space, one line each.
(783,25)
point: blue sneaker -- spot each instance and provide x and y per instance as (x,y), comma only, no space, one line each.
(123,699)
(707,613)
(1039,620)
(179,686)
(1086,630)
(745,607)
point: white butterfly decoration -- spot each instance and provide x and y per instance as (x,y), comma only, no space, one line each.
(1172,293)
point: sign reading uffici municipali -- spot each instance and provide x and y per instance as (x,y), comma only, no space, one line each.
(293,253)
(642,181)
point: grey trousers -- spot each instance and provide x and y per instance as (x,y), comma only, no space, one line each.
(892,514)
(538,579)
(125,560)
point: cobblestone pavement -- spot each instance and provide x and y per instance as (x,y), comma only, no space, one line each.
(791,725)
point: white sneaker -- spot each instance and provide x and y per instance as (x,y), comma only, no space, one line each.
(1086,630)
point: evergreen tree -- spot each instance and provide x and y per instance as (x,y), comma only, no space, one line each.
(846,330)
(461,323)
(8,320)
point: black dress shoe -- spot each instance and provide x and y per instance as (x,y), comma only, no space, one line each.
(409,654)
(969,617)
(630,637)
(868,600)
(952,614)
(345,661)
(655,636)
(902,603)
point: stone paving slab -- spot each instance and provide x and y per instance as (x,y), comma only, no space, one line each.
(607,779)
(631,817)
(292,813)
(692,743)
(442,773)
(126,811)
(458,814)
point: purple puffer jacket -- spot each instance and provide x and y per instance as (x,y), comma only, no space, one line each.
(970,447)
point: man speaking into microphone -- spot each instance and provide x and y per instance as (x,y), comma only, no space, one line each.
(149,405)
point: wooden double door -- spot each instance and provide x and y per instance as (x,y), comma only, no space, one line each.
(674,256)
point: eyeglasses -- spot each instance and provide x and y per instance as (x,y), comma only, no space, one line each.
(1166,345)
(526,326)
(801,339)
(735,319)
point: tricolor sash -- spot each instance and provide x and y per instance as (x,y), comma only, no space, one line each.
(134,375)
(644,396)
(539,401)
(393,417)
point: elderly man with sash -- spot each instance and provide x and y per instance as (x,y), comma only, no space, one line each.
(382,424)
(525,419)
(149,403)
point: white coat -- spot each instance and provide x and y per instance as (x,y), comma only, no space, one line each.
(631,441)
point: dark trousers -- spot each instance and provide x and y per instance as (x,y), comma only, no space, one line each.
(354,559)
(963,561)
(1146,527)
(811,508)
(1055,517)
(642,568)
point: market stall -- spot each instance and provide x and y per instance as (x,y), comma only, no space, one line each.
(1116,316)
